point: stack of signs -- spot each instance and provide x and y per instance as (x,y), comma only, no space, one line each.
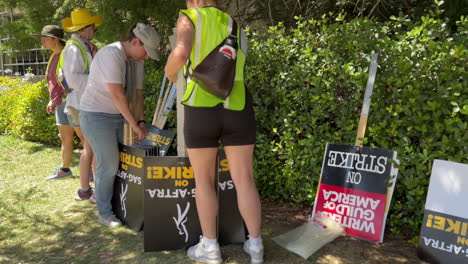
(356,187)
(171,219)
(444,230)
(158,137)
(127,201)
(170,212)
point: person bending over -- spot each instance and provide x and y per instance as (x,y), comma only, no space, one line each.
(104,105)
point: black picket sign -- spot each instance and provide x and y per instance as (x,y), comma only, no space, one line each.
(355,188)
(127,200)
(171,219)
(161,191)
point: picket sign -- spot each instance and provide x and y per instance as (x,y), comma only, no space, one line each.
(165,103)
(157,193)
(166,106)
(444,229)
(356,183)
(160,97)
(355,189)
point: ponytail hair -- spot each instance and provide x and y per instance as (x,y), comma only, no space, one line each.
(208,2)
(129,35)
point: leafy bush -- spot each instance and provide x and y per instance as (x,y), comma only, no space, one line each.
(308,84)
(22,111)
(9,91)
(22,107)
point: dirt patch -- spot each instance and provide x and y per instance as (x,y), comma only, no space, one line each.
(278,218)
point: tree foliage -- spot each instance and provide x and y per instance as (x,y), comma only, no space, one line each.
(272,12)
(118,16)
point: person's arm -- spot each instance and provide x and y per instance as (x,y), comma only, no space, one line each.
(73,68)
(181,52)
(117,92)
(55,95)
(50,107)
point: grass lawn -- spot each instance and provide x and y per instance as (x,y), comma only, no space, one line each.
(40,222)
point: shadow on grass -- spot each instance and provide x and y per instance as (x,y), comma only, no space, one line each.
(41,147)
(72,236)
(57,241)
(36,148)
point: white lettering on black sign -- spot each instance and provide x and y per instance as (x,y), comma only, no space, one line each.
(226,185)
(441,245)
(129,177)
(170,193)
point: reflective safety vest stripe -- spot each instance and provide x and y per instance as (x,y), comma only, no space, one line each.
(211,27)
(83,52)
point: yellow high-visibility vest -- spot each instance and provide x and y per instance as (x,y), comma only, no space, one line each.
(211,27)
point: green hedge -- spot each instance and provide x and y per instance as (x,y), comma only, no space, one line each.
(23,111)
(308,83)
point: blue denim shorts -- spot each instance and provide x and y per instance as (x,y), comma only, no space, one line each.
(73,116)
(61,118)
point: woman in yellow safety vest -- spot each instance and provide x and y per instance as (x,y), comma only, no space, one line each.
(52,39)
(210,121)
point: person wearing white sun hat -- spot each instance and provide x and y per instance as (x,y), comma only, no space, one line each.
(74,65)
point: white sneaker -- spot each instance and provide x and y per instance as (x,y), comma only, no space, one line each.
(110,221)
(210,254)
(255,252)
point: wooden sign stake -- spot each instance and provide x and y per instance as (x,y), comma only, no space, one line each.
(366,103)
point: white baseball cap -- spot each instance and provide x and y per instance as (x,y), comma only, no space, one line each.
(150,39)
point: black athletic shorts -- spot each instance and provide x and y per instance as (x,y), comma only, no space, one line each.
(206,127)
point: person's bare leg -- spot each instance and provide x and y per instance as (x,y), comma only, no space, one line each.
(86,160)
(203,161)
(240,159)
(66,138)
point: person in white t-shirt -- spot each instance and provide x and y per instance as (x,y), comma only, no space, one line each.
(104,105)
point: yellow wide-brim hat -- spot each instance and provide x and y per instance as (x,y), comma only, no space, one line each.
(80,18)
